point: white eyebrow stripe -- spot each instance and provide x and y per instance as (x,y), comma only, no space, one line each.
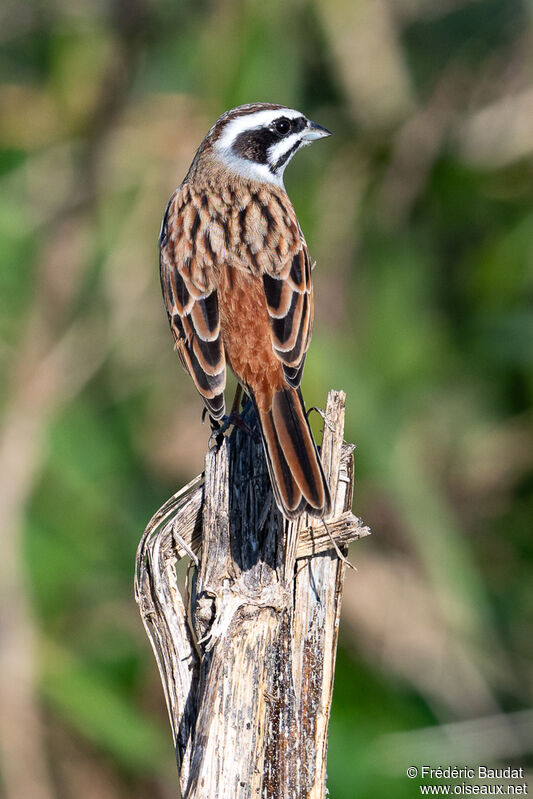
(250,121)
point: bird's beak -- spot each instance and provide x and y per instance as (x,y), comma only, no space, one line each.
(315,131)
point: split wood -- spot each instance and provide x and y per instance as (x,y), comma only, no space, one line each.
(247,657)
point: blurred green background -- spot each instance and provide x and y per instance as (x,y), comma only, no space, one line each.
(419,213)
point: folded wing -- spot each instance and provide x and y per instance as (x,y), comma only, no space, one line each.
(189,291)
(288,286)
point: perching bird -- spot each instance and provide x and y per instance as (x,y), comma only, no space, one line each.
(236,280)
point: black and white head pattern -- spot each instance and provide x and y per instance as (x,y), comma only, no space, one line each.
(258,145)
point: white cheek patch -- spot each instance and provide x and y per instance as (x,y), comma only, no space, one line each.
(282,148)
(251,169)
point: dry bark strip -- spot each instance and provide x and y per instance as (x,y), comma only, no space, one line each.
(247,662)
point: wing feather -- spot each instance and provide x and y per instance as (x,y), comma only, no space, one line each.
(256,231)
(189,291)
(287,283)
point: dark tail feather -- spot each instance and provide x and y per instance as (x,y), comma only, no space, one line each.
(295,470)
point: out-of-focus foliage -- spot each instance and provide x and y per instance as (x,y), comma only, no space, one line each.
(419,213)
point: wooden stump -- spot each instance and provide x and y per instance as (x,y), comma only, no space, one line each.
(247,661)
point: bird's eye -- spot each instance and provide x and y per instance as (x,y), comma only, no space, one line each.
(282,126)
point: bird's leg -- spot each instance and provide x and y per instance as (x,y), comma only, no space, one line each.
(233,418)
(214,423)
(217,429)
(239,419)
(236,399)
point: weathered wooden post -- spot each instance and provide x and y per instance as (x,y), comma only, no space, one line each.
(247,661)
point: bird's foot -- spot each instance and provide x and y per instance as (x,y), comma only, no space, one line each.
(232,419)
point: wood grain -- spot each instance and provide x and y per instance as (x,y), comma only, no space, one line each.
(247,663)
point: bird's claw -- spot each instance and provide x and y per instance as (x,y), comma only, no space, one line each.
(232,419)
(215,439)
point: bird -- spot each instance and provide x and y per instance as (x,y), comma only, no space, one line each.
(237,287)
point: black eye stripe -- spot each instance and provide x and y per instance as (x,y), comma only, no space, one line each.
(298,124)
(283,125)
(254,144)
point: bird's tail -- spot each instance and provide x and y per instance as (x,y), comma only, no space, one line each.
(296,473)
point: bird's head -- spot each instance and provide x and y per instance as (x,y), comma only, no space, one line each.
(257,141)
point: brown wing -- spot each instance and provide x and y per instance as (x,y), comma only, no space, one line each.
(189,291)
(287,283)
